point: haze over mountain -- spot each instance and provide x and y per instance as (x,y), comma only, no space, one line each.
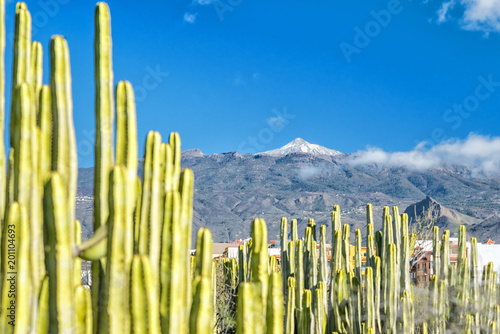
(306,180)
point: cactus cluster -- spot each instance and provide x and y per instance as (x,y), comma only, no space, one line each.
(374,295)
(142,277)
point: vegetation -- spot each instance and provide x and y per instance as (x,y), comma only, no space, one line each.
(144,279)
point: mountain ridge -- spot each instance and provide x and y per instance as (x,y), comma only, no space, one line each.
(232,189)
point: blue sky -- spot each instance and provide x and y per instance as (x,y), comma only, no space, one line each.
(249,76)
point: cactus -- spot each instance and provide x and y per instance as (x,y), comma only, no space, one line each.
(104,136)
(42,324)
(310,260)
(259,273)
(83,311)
(307,324)
(290,259)
(436,265)
(230,272)
(299,273)
(275,311)
(293,230)
(273,265)
(396,228)
(144,304)
(242,264)
(24,282)
(358,275)
(406,322)
(58,256)
(339,316)
(474,296)
(369,300)
(356,305)
(245,310)
(202,310)
(323,265)
(312,225)
(445,255)
(174,299)
(320,308)
(434,304)
(390,293)
(290,307)
(115,309)
(284,252)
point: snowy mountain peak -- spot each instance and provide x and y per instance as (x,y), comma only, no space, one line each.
(299,145)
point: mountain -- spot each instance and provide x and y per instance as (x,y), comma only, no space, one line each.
(232,189)
(429,210)
(299,145)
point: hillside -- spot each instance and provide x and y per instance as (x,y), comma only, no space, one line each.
(231,189)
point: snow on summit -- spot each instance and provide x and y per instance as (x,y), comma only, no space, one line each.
(299,145)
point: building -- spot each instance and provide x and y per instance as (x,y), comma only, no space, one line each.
(421,264)
(488,252)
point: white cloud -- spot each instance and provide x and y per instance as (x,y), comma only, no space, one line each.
(190,18)
(443,11)
(307,172)
(480,154)
(480,15)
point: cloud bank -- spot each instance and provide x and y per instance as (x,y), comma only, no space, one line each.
(478,15)
(480,154)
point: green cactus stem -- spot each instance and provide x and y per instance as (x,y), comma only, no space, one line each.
(144,304)
(290,307)
(275,310)
(115,314)
(245,310)
(59,256)
(284,250)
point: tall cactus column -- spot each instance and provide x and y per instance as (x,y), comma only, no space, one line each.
(259,272)
(104,111)
(59,257)
(114,299)
(174,260)
(201,318)
(284,253)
